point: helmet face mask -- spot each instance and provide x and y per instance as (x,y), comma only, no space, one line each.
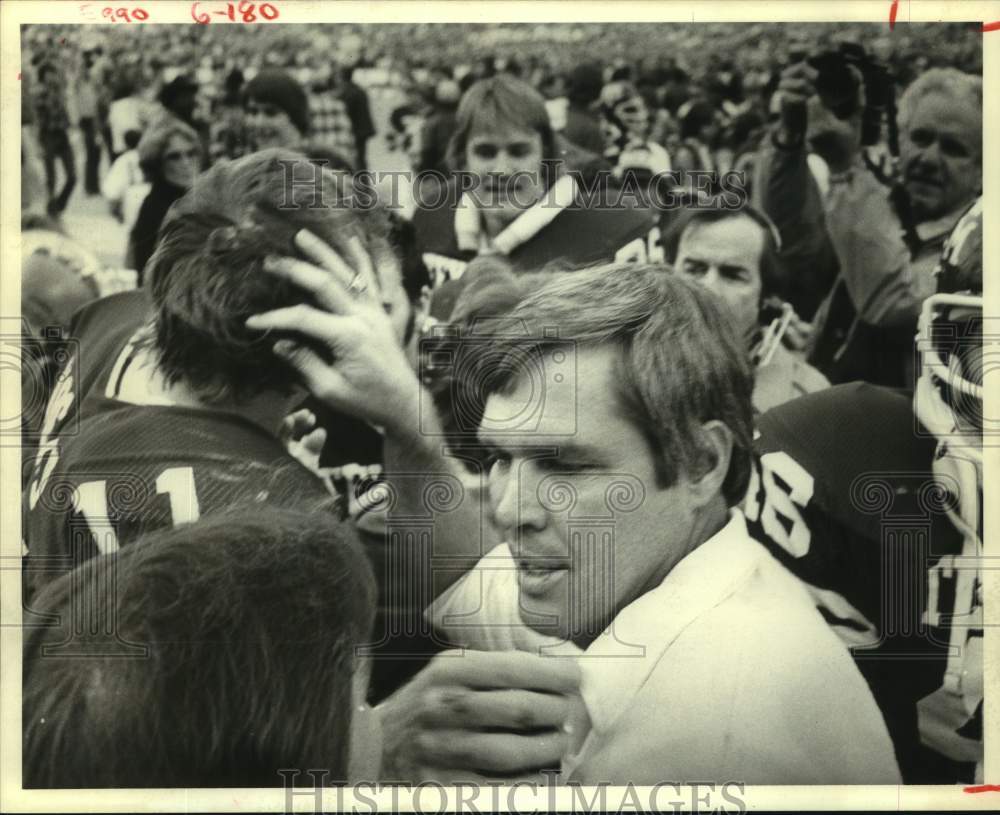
(948,402)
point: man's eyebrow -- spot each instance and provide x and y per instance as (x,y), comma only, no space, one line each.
(574,449)
(486,440)
(557,448)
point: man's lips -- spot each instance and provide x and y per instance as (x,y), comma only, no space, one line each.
(536,576)
(535,563)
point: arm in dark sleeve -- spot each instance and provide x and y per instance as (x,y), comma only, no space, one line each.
(785,189)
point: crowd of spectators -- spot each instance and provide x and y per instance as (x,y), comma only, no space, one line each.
(709,247)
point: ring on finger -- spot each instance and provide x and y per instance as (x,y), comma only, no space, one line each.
(356,285)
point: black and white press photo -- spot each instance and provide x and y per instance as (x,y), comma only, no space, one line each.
(427,404)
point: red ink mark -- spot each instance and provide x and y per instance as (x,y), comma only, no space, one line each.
(892,14)
(242,11)
(18,76)
(984,787)
(991,27)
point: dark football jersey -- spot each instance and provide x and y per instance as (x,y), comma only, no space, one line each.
(351,458)
(134,469)
(579,235)
(99,332)
(844,495)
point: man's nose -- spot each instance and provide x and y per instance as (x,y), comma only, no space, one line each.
(711,278)
(502,164)
(515,500)
(930,154)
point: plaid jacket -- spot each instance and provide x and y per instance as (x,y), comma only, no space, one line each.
(330,126)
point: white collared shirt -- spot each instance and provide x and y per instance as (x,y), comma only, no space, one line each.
(724,672)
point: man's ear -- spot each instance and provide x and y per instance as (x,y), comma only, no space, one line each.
(705,481)
(423,304)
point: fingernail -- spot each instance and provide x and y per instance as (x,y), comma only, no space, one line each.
(283,348)
(252,320)
(568,729)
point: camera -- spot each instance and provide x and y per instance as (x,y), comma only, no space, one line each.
(842,74)
(461,365)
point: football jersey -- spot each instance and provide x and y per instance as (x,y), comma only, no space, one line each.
(100,331)
(569,232)
(844,495)
(351,458)
(134,469)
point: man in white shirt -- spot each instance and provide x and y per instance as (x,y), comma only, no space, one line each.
(702,657)
(619,422)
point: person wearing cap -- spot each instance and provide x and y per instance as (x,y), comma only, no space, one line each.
(527,200)
(735,254)
(439,126)
(179,99)
(582,126)
(699,128)
(277,111)
(625,123)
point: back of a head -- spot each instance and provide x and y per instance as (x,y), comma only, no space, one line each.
(207,273)
(226,654)
(489,289)
(585,81)
(682,363)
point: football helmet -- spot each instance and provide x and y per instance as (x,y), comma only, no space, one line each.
(948,402)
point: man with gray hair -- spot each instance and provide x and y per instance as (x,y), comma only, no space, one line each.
(886,239)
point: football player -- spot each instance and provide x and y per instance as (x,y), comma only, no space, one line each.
(186,420)
(875,501)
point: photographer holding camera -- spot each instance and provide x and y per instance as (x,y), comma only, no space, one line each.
(882,234)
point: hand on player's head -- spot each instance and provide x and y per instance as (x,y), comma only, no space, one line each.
(207,274)
(345,346)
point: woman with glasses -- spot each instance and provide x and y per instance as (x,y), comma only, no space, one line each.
(170,156)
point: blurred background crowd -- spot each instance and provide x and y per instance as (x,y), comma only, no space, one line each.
(386,94)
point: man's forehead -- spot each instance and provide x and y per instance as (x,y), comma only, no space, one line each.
(931,111)
(572,394)
(741,235)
